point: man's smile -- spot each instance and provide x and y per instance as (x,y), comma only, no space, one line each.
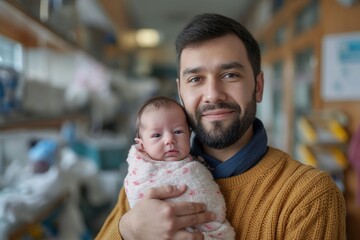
(218,114)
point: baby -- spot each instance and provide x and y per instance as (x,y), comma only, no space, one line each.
(162,157)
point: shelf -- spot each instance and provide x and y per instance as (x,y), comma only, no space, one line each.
(40,122)
(17,23)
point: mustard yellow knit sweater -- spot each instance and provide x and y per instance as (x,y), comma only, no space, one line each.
(279,198)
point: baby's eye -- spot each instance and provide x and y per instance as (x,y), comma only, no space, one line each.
(156,135)
(178,132)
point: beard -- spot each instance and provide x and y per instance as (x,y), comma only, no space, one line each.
(220,135)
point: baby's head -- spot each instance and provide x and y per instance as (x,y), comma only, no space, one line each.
(162,129)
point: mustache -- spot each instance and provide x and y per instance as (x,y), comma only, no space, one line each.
(220,105)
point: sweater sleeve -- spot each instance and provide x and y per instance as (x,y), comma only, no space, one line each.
(320,214)
(110,229)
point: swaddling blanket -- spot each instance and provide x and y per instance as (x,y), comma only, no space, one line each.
(144,173)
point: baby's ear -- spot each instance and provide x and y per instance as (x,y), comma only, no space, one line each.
(138,141)
(140,145)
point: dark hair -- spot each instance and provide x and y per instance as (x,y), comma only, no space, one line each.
(208,26)
(156,102)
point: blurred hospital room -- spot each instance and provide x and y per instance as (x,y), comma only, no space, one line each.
(73,74)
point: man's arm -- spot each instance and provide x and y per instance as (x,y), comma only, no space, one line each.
(109,229)
(320,215)
(153,218)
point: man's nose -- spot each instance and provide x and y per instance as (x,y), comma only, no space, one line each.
(214,91)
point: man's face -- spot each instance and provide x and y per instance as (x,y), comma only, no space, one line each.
(217,87)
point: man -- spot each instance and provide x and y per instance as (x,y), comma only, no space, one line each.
(268,194)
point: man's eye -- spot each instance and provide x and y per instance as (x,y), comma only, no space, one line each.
(231,75)
(194,79)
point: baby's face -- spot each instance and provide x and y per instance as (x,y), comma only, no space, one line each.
(165,134)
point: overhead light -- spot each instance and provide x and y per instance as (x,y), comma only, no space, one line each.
(147,37)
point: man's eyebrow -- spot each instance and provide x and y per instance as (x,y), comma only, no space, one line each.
(188,71)
(232,65)
(224,66)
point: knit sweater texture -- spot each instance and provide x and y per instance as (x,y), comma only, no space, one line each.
(279,198)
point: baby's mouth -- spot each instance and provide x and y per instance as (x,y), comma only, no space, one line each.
(172,152)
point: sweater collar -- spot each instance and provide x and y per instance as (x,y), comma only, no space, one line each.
(243,160)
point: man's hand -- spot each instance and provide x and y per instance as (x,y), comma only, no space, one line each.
(153,218)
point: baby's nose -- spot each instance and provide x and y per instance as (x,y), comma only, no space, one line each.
(169,139)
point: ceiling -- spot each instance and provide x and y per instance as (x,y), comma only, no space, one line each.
(168,17)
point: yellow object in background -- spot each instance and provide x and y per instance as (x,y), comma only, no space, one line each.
(325,157)
(307,130)
(339,157)
(307,156)
(337,130)
(36,231)
(322,129)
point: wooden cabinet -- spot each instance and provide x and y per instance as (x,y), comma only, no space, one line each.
(293,32)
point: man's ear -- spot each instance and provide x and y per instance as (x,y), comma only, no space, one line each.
(259,87)
(178,89)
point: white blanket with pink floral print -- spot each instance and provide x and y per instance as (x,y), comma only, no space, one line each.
(144,173)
